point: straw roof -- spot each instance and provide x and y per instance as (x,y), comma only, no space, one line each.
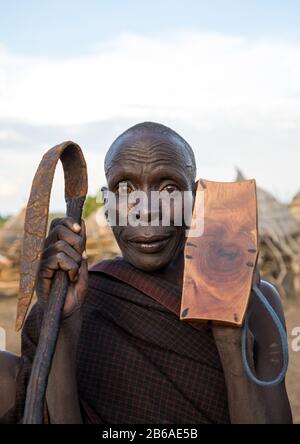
(278,229)
(11,233)
(100,240)
(101,243)
(275,220)
(295,207)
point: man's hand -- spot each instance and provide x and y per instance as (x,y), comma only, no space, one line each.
(64,249)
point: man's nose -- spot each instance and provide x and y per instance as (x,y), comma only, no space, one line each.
(149,209)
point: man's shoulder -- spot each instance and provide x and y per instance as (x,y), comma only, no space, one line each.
(261,323)
(103,279)
(273,297)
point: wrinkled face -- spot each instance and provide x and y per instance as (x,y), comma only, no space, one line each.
(149,162)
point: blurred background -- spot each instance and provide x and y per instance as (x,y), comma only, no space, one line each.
(225,74)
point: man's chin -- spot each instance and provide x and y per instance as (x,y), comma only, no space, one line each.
(151,258)
(147,262)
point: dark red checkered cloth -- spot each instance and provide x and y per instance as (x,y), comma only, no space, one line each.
(137,362)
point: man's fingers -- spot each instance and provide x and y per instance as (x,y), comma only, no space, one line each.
(61,232)
(83,234)
(68,222)
(61,246)
(59,261)
(69,265)
(47,268)
(81,283)
(83,271)
(63,250)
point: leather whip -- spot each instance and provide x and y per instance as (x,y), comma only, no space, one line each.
(35,228)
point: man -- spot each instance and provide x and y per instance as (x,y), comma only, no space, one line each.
(123,355)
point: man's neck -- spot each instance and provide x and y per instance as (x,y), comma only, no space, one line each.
(173,272)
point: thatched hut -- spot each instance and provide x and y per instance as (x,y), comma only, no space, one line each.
(279,257)
(100,240)
(295,207)
(11,235)
(101,243)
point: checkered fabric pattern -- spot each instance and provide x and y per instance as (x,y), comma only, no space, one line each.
(137,362)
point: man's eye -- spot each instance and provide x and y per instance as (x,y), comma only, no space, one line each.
(170,188)
(124,188)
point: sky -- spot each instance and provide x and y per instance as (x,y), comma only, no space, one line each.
(224,74)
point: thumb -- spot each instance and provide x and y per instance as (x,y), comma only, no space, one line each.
(82,282)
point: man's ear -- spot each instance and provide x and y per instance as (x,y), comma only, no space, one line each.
(104,191)
(104,194)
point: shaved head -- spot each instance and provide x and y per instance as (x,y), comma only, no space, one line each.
(150,157)
(147,137)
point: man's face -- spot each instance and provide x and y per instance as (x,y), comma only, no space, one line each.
(148,162)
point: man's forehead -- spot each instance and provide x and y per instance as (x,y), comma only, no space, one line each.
(147,147)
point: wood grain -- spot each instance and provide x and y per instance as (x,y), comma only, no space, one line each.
(219,264)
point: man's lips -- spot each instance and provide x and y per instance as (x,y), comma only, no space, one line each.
(149,244)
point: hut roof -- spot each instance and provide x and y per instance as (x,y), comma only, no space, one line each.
(96,224)
(275,220)
(101,242)
(295,207)
(12,231)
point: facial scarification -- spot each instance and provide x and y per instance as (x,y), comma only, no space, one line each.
(141,141)
(150,157)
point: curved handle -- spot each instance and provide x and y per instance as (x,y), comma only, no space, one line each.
(36,217)
(35,231)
